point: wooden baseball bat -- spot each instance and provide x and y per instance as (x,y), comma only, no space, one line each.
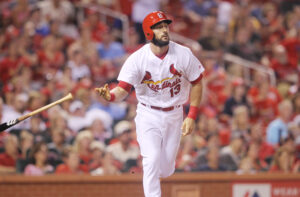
(11,123)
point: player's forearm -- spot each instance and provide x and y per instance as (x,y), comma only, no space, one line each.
(195,99)
(119,94)
(196,94)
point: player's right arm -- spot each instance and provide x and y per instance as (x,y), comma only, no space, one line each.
(117,94)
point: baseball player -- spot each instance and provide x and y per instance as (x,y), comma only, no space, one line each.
(164,74)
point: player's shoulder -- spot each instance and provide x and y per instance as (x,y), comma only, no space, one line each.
(143,50)
(179,48)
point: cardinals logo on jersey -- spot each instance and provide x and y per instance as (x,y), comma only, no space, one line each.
(168,82)
(147,77)
(174,71)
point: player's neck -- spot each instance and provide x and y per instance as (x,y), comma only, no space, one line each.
(159,51)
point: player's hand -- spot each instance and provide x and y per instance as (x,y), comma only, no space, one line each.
(188,126)
(104,92)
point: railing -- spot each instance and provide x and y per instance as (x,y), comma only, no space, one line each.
(248,65)
(186,41)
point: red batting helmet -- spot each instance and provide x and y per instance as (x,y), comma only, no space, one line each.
(152,19)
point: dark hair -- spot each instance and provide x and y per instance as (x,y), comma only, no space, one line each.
(36,148)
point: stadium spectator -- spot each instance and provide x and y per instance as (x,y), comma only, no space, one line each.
(101,131)
(109,49)
(58,10)
(98,151)
(50,58)
(240,121)
(278,130)
(84,43)
(109,166)
(243,47)
(9,157)
(78,67)
(12,62)
(20,13)
(56,147)
(212,142)
(231,155)
(238,98)
(123,149)
(95,114)
(38,157)
(82,146)
(93,23)
(37,128)
(263,98)
(251,163)
(76,120)
(213,164)
(71,163)
(284,158)
(26,143)
(281,63)
(266,150)
(17,109)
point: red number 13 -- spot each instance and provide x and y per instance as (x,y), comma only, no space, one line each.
(175,90)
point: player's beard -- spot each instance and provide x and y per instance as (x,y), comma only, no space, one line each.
(160,43)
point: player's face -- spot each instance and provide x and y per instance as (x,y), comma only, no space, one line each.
(161,34)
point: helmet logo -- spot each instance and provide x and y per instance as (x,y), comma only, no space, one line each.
(159,15)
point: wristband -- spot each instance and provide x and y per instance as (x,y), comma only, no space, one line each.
(112,97)
(193,112)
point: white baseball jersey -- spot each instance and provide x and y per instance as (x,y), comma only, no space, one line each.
(161,82)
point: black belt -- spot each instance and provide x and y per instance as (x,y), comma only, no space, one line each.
(161,108)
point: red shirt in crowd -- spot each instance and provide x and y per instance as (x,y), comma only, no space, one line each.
(292,46)
(270,102)
(265,151)
(47,62)
(96,30)
(282,69)
(7,160)
(8,67)
(86,159)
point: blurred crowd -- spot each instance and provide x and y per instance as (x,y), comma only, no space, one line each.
(49,48)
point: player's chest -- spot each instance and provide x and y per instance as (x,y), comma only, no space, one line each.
(161,71)
(162,77)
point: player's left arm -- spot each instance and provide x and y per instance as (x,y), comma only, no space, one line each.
(195,98)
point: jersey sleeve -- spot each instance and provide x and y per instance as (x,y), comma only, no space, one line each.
(194,68)
(129,72)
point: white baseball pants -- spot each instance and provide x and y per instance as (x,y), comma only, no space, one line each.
(158,135)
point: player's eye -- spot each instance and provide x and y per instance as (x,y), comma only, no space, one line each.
(160,26)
